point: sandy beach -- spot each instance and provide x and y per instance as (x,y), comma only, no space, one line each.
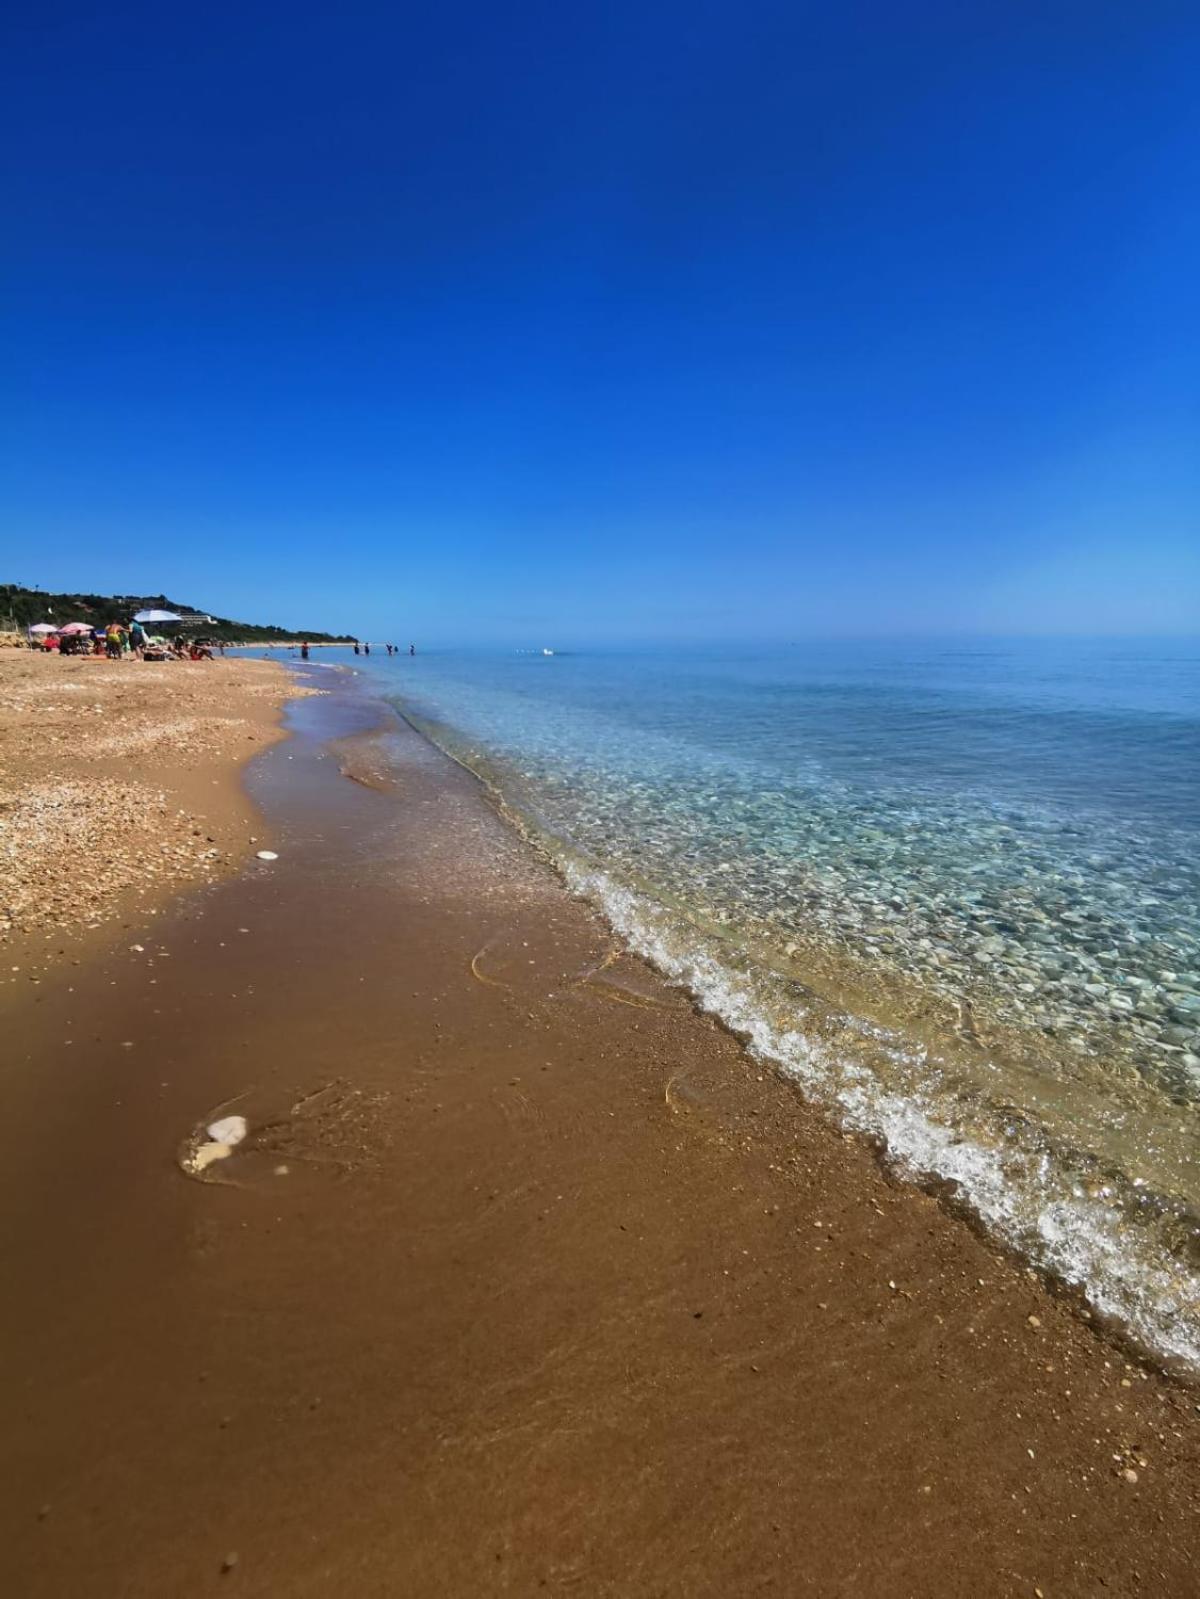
(527,1278)
(120,785)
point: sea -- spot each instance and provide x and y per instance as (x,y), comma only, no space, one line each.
(950,888)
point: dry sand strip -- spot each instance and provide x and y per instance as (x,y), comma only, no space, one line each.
(119,783)
(510,1288)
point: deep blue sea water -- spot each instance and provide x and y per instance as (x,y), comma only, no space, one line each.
(952,888)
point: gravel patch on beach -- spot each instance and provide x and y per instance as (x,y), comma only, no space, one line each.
(115,780)
(74,852)
(183,735)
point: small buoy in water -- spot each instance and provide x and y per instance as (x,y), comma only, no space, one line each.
(267,855)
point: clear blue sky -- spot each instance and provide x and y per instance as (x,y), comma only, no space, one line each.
(564,321)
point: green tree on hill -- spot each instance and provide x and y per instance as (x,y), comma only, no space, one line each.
(21,607)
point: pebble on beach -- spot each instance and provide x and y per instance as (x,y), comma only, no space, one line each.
(83,842)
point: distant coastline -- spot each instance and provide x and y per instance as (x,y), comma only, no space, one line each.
(22,608)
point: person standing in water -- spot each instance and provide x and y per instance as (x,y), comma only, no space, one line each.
(412,649)
(356,650)
(366,649)
(304,651)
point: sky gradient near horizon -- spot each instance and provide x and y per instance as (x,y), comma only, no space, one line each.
(545,323)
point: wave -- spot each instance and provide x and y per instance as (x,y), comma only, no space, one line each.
(1127,1247)
(1107,1244)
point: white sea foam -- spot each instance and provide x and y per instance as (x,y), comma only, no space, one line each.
(1023,1194)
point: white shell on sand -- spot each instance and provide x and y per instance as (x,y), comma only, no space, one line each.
(205,1155)
(229,1130)
(267,855)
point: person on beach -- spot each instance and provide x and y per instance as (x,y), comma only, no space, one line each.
(366,649)
(137,638)
(304,651)
(356,649)
(112,642)
(412,649)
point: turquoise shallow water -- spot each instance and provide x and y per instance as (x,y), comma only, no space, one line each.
(953,889)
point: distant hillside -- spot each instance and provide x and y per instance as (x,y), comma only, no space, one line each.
(21,607)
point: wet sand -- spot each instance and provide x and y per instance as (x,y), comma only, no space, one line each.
(528,1279)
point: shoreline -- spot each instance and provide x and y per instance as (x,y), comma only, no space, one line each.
(559,1288)
(1145,1309)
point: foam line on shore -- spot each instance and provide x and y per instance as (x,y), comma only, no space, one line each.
(1018,1191)
(1084,1241)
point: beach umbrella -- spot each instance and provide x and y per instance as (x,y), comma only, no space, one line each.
(157,616)
(75,627)
(43,627)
